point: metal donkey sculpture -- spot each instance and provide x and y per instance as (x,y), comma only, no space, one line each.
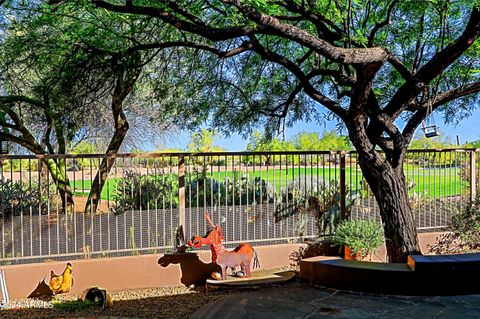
(241,256)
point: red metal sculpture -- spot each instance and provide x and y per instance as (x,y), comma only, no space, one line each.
(241,256)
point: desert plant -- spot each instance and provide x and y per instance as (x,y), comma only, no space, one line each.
(361,236)
(204,191)
(239,189)
(18,198)
(248,190)
(136,191)
(315,196)
(464,232)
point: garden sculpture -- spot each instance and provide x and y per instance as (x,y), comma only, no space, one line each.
(241,256)
(60,284)
(97,296)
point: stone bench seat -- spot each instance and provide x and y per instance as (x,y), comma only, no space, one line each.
(458,262)
(423,275)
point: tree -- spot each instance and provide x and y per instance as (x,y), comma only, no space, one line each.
(53,80)
(202,141)
(261,143)
(439,142)
(473,144)
(330,141)
(67,77)
(368,63)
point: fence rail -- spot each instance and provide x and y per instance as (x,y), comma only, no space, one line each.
(261,197)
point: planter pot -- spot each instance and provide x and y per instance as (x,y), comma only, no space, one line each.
(349,255)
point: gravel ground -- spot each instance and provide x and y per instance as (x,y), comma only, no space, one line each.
(164,302)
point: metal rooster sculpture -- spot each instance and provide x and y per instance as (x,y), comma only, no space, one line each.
(60,284)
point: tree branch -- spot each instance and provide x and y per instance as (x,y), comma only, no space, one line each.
(321,46)
(34,148)
(208,32)
(319,21)
(401,68)
(265,25)
(286,104)
(442,98)
(382,24)
(295,70)
(435,66)
(429,106)
(8,99)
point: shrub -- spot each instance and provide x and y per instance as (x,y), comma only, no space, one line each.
(136,191)
(315,196)
(247,190)
(361,236)
(240,189)
(464,232)
(18,198)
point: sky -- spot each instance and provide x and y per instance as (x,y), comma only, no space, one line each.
(467,130)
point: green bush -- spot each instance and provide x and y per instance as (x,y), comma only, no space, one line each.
(316,196)
(239,189)
(361,236)
(464,232)
(136,191)
(18,198)
(244,190)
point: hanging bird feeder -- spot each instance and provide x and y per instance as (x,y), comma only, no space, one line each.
(3,147)
(430,130)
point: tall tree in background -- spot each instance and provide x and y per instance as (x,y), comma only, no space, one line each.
(66,77)
(369,63)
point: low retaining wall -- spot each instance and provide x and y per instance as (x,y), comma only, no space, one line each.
(395,278)
(424,239)
(134,272)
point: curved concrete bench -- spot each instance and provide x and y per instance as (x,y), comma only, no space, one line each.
(423,275)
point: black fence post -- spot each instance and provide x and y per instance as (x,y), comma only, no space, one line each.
(343,186)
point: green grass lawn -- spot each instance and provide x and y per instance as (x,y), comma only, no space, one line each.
(82,188)
(431,183)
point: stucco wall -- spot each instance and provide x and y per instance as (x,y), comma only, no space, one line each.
(134,272)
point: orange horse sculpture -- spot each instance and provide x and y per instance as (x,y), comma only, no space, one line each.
(241,256)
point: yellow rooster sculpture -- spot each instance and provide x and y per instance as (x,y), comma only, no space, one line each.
(61,284)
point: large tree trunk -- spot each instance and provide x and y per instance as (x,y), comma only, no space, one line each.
(388,186)
(104,169)
(121,129)
(383,172)
(124,82)
(58,172)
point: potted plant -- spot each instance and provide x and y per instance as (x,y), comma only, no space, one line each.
(360,238)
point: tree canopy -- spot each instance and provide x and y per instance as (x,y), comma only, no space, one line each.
(371,64)
(312,49)
(379,67)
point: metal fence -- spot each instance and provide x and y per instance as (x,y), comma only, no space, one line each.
(264,198)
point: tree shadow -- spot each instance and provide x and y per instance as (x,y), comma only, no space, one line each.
(194,271)
(313,249)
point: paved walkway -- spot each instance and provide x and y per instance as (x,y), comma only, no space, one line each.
(303,301)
